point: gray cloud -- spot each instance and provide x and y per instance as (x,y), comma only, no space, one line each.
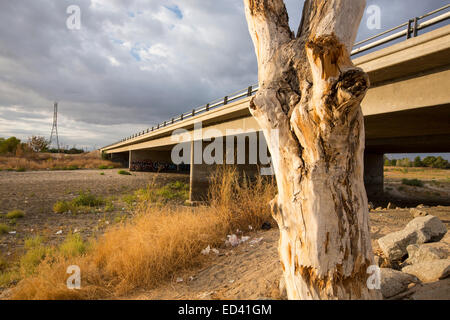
(133,63)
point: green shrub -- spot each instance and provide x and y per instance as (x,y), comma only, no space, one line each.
(124,172)
(73,246)
(15,214)
(102,173)
(3,228)
(36,252)
(83,203)
(87,199)
(62,207)
(21,170)
(174,190)
(412,182)
(103,167)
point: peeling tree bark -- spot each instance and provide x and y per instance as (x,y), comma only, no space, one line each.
(308,106)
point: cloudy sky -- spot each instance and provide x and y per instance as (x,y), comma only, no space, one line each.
(133,63)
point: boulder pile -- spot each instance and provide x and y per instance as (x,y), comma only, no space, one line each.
(417,253)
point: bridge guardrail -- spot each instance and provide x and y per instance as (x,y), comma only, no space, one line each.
(411,30)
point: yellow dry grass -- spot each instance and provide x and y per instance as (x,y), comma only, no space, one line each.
(156,244)
(53,162)
(426,174)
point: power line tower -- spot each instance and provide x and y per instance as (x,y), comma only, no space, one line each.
(55,126)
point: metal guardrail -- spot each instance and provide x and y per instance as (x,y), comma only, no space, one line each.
(411,30)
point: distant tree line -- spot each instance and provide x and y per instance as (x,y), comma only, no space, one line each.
(35,144)
(427,162)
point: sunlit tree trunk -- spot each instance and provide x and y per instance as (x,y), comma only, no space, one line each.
(308,106)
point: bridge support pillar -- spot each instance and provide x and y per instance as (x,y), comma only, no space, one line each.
(374,174)
(201,172)
(199,175)
(123,158)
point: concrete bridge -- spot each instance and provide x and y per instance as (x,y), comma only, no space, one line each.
(406,110)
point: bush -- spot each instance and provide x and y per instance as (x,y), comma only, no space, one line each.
(87,199)
(36,253)
(73,246)
(62,207)
(103,167)
(124,172)
(82,203)
(15,214)
(412,182)
(4,228)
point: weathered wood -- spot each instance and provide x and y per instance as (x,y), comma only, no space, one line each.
(308,106)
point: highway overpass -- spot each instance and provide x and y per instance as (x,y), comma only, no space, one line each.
(405,110)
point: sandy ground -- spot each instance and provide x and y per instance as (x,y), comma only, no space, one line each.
(252,271)
(35,192)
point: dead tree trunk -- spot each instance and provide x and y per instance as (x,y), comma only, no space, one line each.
(308,106)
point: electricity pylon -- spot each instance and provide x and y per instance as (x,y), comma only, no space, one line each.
(55,126)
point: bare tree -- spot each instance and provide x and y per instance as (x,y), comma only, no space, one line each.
(308,106)
(38,143)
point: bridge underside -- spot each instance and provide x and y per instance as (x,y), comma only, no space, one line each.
(421,130)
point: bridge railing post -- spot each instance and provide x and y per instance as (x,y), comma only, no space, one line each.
(225,100)
(249,91)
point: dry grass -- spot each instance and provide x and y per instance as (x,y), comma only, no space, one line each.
(44,161)
(426,174)
(156,244)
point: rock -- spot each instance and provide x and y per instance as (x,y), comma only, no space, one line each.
(394,282)
(429,271)
(418,231)
(426,252)
(371,207)
(422,206)
(439,290)
(430,228)
(418,213)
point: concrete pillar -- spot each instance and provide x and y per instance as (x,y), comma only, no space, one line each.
(123,158)
(199,175)
(200,172)
(374,174)
(130,159)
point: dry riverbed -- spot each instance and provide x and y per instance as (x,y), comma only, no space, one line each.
(248,271)
(36,192)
